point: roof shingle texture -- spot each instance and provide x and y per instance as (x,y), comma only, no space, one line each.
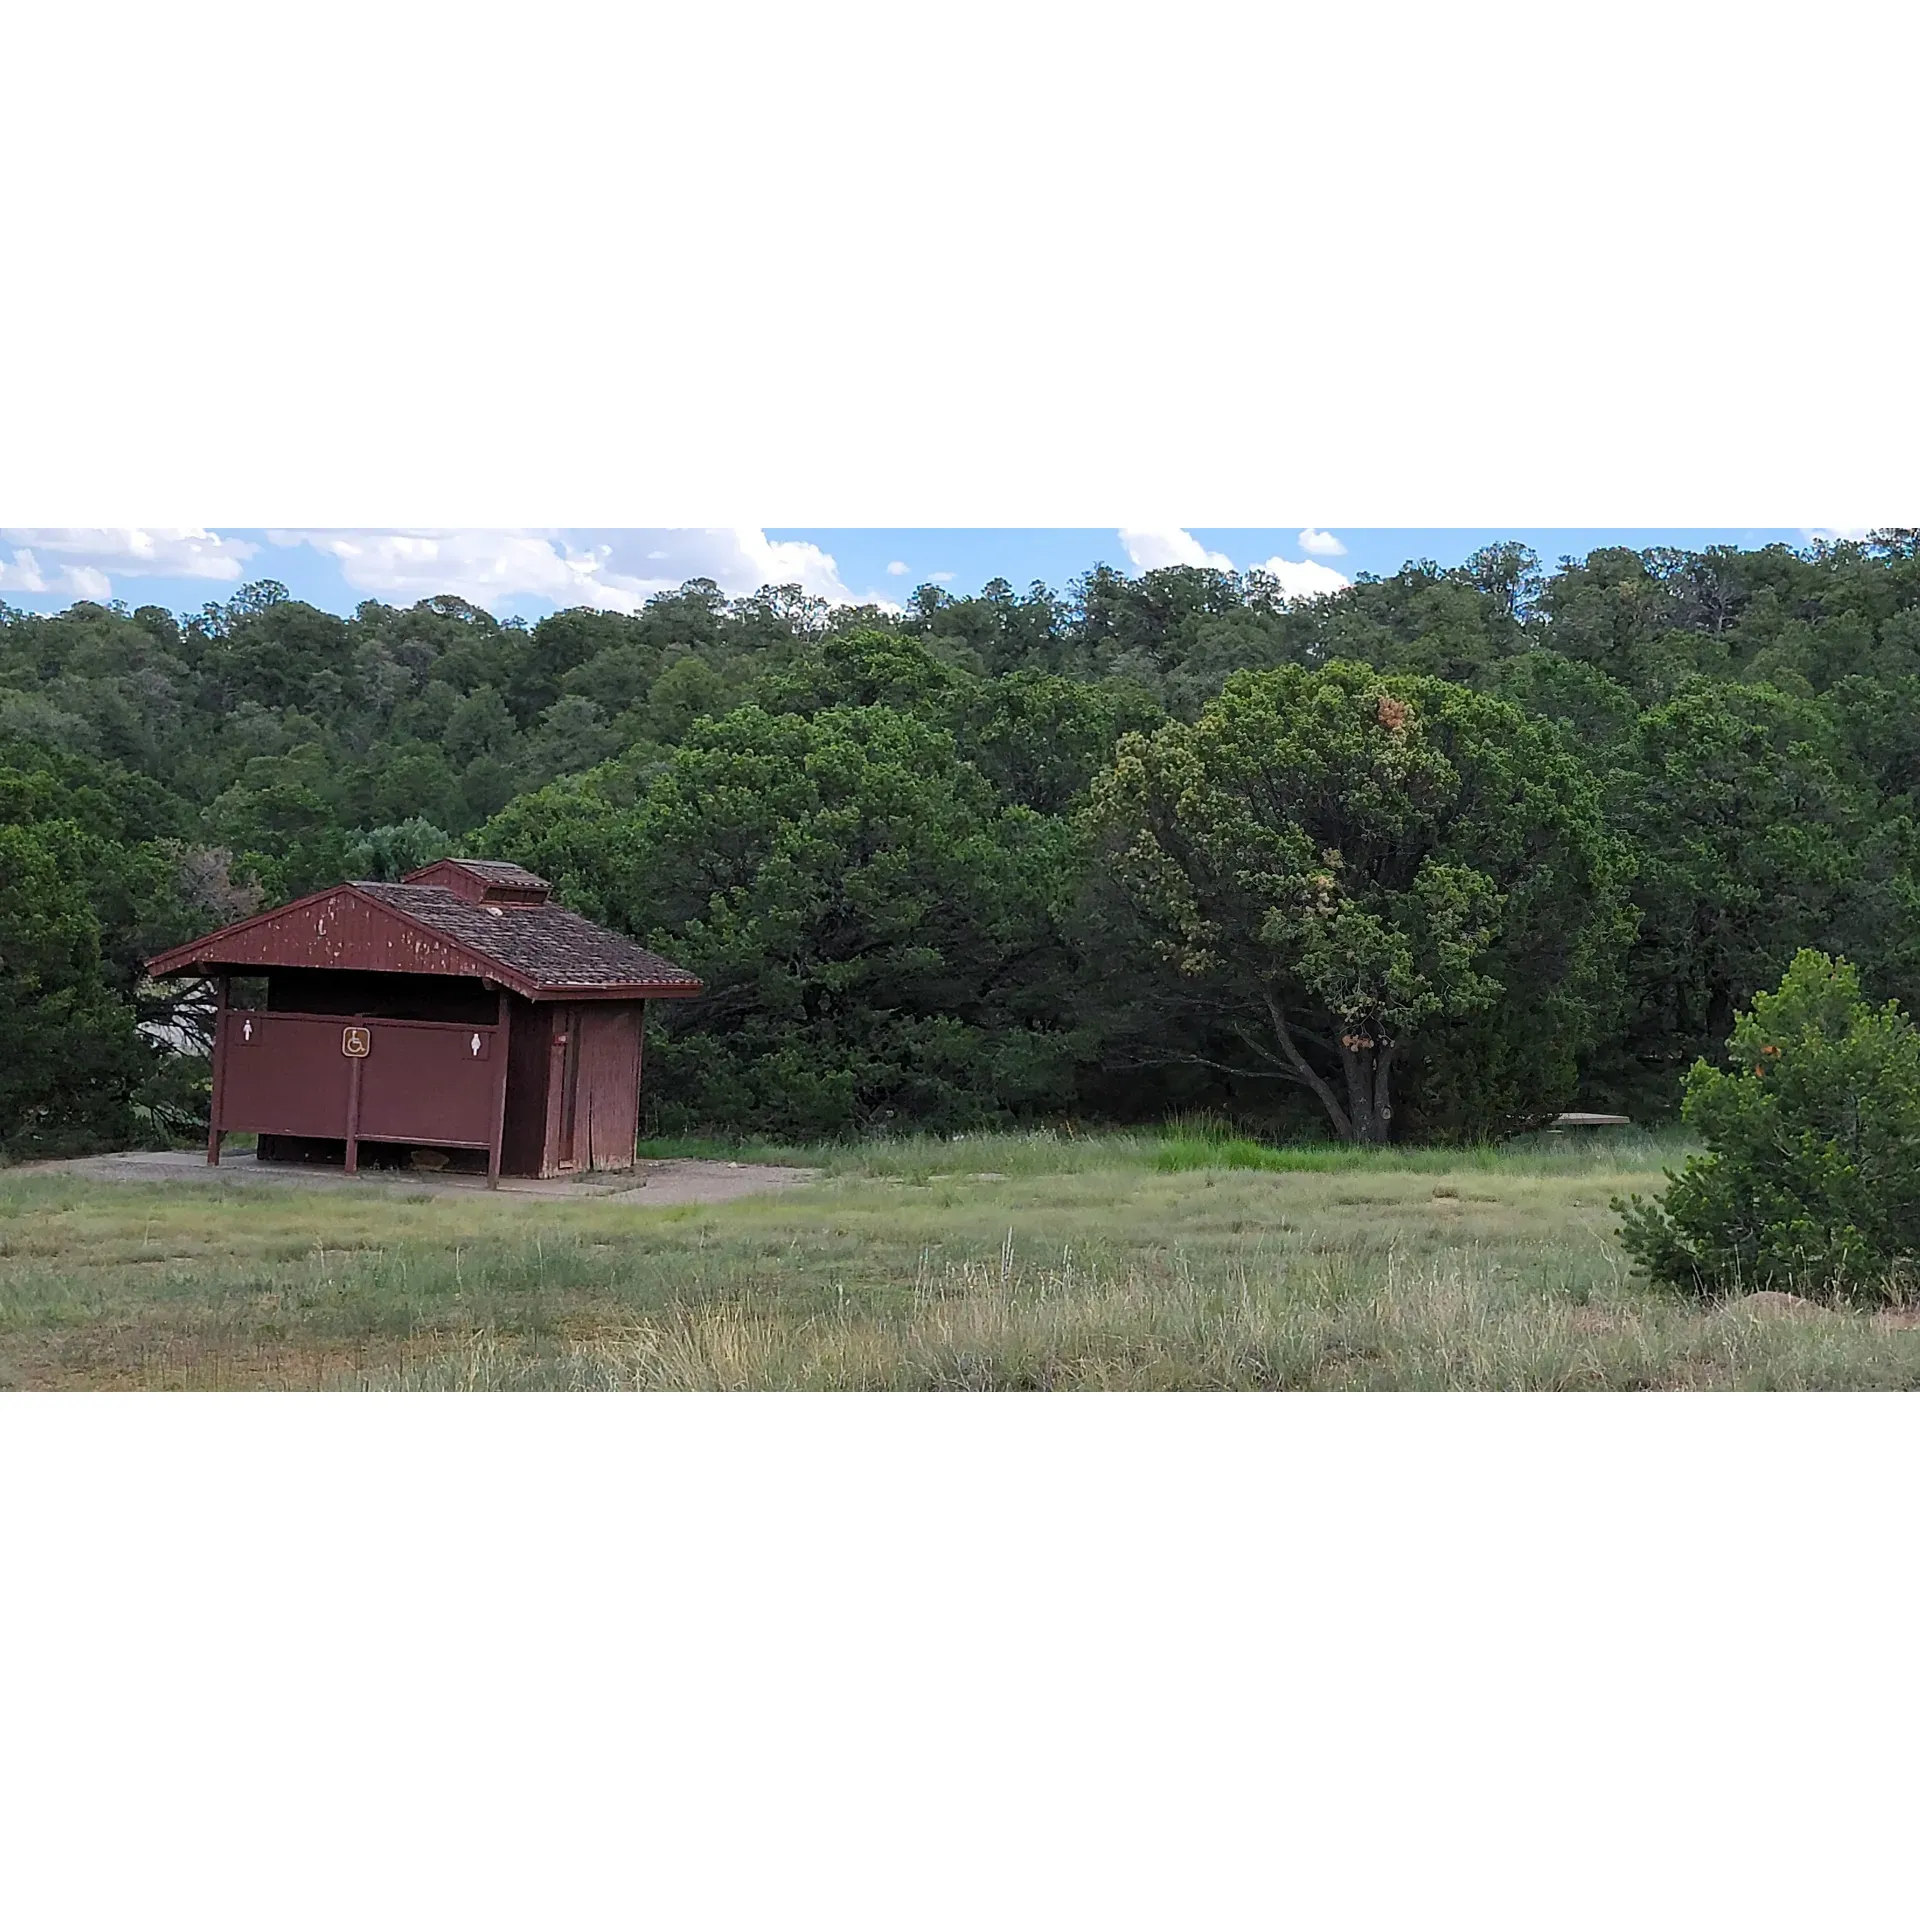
(547,944)
(502,873)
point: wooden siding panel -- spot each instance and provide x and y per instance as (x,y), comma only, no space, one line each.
(287,1073)
(607,1105)
(335,930)
(283,1073)
(428,1083)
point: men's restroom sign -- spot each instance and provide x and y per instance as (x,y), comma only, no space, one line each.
(356,1042)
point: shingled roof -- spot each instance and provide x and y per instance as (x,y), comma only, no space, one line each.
(538,950)
(546,943)
(488,882)
(503,873)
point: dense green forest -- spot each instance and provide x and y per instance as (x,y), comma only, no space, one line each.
(1427,858)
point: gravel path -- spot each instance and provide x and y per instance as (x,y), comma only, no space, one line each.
(653,1183)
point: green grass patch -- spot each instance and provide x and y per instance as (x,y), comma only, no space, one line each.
(1185,1149)
(1015,1261)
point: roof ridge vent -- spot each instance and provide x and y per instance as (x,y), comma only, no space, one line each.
(483,883)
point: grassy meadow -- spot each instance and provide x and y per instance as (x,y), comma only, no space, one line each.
(1173,1259)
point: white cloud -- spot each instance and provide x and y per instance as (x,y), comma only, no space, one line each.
(1175,547)
(1312,540)
(1168,547)
(91,558)
(484,567)
(24,574)
(1303,579)
(618,569)
(898,568)
(941,579)
(180,553)
(1833,534)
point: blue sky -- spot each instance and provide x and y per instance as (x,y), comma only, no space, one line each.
(531,571)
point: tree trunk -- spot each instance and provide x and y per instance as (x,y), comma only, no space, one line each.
(1383,1092)
(1369,1072)
(1359,1093)
(1367,1115)
(1339,1115)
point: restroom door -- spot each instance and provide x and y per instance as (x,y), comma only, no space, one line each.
(608,1110)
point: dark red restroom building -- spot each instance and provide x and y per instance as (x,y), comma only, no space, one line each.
(458,1009)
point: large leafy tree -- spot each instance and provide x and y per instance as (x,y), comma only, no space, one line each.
(282,818)
(873,925)
(1336,874)
(864,668)
(73,1061)
(1041,738)
(1758,834)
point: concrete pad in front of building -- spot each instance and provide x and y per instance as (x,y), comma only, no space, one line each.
(652,1183)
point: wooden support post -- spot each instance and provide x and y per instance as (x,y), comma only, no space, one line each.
(502,1045)
(219,1072)
(639,1077)
(556,1088)
(353,1114)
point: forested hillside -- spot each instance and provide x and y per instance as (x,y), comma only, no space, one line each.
(1457,846)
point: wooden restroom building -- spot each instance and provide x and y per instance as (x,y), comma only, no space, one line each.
(457,1012)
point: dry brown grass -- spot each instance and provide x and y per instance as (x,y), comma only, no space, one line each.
(1032,1262)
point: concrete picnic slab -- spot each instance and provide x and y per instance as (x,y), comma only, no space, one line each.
(652,1183)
